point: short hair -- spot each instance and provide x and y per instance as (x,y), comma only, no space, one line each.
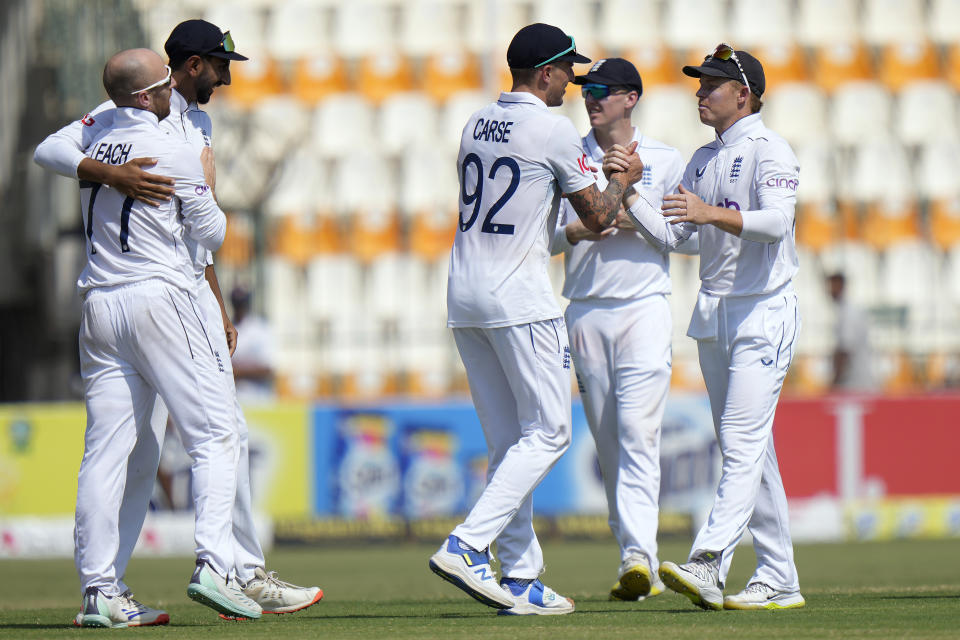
(177,61)
(755,103)
(523,76)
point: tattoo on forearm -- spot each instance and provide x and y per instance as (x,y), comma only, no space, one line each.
(596,207)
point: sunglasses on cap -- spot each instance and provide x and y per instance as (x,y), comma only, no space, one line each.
(725,52)
(158,83)
(227,42)
(571,49)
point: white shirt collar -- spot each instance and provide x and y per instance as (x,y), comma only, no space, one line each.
(521,97)
(743,128)
(132,115)
(179,104)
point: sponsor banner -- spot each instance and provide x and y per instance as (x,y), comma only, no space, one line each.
(428,461)
(40,451)
(164,534)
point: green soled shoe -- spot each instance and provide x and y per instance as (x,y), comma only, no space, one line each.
(208,588)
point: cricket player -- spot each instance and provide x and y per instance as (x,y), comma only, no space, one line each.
(200,55)
(739,192)
(515,161)
(141,335)
(618,321)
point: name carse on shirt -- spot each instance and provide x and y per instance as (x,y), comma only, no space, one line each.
(112,153)
(492,130)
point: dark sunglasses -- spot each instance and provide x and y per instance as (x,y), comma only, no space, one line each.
(725,52)
(600,91)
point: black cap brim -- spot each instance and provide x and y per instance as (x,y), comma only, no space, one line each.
(227,55)
(703,70)
(576,58)
(600,79)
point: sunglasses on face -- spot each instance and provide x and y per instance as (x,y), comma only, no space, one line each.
(571,49)
(725,52)
(600,91)
(158,83)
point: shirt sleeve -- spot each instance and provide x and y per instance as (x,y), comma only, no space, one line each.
(656,229)
(565,154)
(559,242)
(777,179)
(202,218)
(63,150)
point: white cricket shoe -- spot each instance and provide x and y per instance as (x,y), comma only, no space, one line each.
(534,598)
(470,570)
(759,595)
(208,588)
(99,610)
(698,579)
(277,596)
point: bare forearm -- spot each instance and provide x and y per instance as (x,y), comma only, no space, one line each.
(90,169)
(211,277)
(728,220)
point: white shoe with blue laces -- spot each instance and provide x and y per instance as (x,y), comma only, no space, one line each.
(470,570)
(534,598)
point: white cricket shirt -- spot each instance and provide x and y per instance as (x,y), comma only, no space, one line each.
(63,150)
(129,241)
(752,169)
(515,160)
(624,265)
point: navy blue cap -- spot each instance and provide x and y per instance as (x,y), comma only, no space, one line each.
(538,44)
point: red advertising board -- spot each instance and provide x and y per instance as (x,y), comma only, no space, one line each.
(852,446)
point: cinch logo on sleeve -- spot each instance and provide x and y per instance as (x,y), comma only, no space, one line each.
(784,183)
(201,189)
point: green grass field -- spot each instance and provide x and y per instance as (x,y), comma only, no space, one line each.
(907,589)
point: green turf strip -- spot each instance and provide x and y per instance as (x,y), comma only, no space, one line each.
(868,590)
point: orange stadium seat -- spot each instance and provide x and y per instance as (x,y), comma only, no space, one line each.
(237,248)
(299,242)
(818,225)
(432,232)
(656,64)
(906,62)
(383,74)
(839,63)
(254,80)
(945,222)
(888,223)
(445,74)
(952,71)
(783,64)
(316,77)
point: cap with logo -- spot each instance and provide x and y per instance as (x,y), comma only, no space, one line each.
(714,65)
(200,38)
(538,44)
(612,72)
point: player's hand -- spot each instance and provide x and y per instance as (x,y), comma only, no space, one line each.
(577,231)
(232,334)
(131,180)
(686,207)
(209,168)
(623,221)
(623,159)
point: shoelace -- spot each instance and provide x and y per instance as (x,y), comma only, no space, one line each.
(758,587)
(272,580)
(128,599)
(702,569)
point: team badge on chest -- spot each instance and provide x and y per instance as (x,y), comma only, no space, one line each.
(735,169)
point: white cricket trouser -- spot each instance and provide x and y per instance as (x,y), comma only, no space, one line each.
(621,351)
(136,341)
(145,458)
(520,383)
(744,371)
